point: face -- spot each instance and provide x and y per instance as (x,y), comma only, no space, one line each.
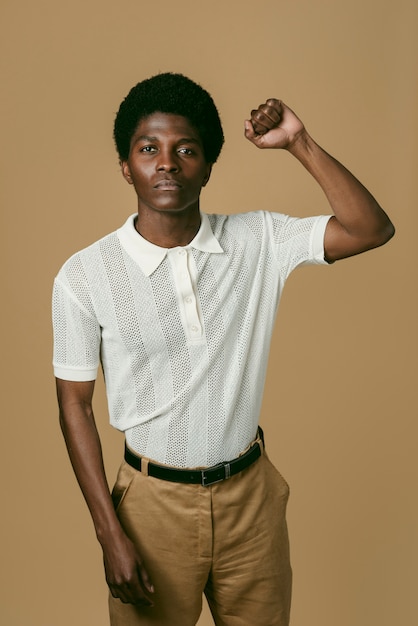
(166,164)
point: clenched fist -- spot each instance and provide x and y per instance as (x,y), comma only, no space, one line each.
(273,125)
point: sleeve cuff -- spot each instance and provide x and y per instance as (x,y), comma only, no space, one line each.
(75,374)
(317,240)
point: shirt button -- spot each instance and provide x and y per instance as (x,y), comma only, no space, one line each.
(194,329)
(182,252)
(189,300)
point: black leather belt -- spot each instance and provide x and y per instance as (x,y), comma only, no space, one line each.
(205,477)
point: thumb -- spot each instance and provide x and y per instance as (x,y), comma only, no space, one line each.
(250,133)
(145,578)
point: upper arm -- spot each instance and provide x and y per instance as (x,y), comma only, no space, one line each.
(340,244)
(74,395)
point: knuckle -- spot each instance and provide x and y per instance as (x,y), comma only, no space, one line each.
(124,600)
(259,117)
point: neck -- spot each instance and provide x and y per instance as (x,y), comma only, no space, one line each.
(168,230)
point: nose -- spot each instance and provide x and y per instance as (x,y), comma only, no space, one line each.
(167,161)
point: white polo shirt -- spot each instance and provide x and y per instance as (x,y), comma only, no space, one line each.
(182,334)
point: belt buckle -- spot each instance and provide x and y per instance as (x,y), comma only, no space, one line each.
(206,481)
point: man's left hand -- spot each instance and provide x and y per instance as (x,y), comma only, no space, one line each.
(273,125)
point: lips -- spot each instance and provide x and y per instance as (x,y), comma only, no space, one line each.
(167,184)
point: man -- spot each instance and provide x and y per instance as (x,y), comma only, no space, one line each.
(179,307)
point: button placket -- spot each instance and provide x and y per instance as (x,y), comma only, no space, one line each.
(187,298)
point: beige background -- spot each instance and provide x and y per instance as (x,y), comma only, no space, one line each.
(340,407)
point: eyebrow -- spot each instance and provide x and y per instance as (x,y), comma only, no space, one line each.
(156,139)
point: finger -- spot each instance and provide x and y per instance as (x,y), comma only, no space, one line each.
(135,589)
(145,579)
(131,595)
(264,120)
(259,122)
(249,131)
(274,103)
(273,108)
(255,138)
(266,117)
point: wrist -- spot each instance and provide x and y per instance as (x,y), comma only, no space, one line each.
(107,533)
(301,144)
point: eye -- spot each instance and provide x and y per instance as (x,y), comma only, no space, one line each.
(148,149)
(187,151)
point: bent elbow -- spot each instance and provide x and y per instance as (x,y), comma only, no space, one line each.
(381,234)
(386,234)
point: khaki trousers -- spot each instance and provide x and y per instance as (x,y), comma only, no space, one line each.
(228,541)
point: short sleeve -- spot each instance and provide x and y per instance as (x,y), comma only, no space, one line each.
(76,337)
(298,241)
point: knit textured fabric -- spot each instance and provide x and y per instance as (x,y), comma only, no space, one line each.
(184,348)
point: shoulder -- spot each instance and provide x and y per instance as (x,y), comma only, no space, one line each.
(248,220)
(90,254)
(248,228)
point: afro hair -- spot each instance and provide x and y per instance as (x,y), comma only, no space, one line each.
(169,93)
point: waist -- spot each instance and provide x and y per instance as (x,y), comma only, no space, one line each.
(204,476)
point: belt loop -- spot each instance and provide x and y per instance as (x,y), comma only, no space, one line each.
(144,466)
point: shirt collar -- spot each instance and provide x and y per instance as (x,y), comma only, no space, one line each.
(149,256)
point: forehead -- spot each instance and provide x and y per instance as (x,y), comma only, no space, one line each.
(166,125)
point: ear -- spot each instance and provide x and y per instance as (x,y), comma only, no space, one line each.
(207,175)
(126,172)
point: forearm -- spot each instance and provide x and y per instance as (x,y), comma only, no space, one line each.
(125,573)
(359,223)
(84,448)
(357,212)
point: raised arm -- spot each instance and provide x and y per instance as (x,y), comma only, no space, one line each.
(125,574)
(359,223)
